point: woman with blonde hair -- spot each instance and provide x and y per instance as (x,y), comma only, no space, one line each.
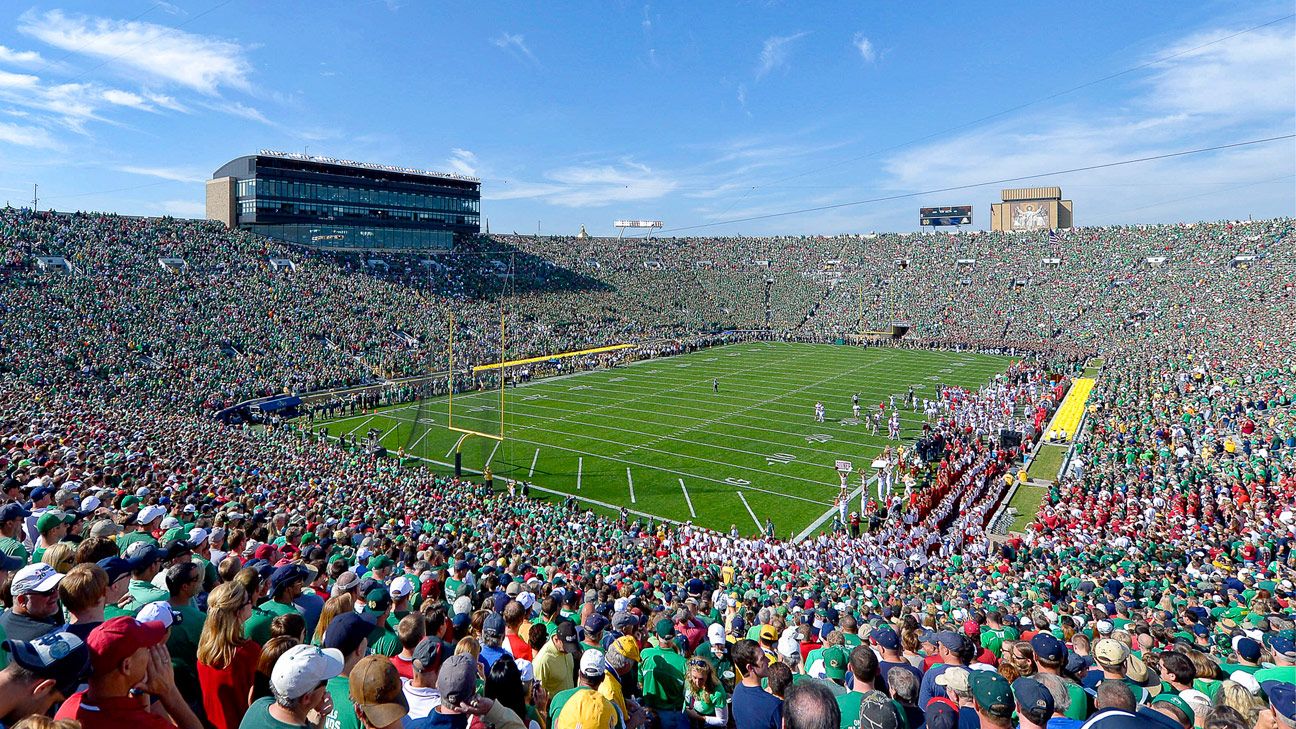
(705,700)
(333,607)
(1017,659)
(227,661)
(61,557)
(1237,696)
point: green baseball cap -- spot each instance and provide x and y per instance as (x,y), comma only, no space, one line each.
(664,628)
(992,693)
(834,661)
(1177,702)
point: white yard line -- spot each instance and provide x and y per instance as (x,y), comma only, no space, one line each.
(630,479)
(580,464)
(604,504)
(687,500)
(492,454)
(533,462)
(761,470)
(420,439)
(361,425)
(759,526)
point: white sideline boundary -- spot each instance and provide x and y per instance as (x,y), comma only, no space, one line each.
(828,514)
(687,499)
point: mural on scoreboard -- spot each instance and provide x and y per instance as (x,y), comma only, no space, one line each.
(1030,215)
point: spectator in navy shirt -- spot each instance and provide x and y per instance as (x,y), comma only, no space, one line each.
(753,707)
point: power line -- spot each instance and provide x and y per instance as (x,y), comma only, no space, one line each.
(1000,181)
(1019,107)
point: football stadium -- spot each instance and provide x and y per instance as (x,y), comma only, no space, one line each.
(292,438)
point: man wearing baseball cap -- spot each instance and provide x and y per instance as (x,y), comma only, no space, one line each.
(662,669)
(992,698)
(457,684)
(349,634)
(376,693)
(127,655)
(1034,703)
(299,682)
(421,691)
(555,663)
(588,678)
(36,609)
(493,639)
(1110,656)
(44,672)
(1051,658)
(285,585)
(12,518)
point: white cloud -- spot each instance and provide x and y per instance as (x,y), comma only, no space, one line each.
(175,174)
(1250,73)
(126,98)
(239,109)
(591,185)
(463,162)
(1231,91)
(21,58)
(865,47)
(184,208)
(514,43)
(161,53)
(27,136)
(18,80)
(774,52)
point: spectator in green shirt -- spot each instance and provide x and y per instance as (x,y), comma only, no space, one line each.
(11,535)
(145,562)
(299,681)
(285,585)
(184,581)
(349,634)
(146,522)
(378,606)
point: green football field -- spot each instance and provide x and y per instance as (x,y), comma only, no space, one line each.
(656,438)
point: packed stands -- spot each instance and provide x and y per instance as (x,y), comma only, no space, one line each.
(1154,588)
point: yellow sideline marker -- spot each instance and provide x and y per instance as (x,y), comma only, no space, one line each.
(547,357)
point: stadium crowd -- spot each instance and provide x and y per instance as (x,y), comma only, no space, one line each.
(161,569)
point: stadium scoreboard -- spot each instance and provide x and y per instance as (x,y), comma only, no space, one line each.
(953,215)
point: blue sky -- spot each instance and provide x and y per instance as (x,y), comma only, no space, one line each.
(692,113)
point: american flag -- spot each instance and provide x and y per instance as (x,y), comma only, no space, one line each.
(1053,238)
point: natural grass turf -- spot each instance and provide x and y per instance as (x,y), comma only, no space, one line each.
(1027,501)
(1047,462)
(661,420)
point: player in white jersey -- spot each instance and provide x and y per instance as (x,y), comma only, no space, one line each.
(855,410)
(819,412)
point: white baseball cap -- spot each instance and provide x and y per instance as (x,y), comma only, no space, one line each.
(149,513)
(526,600)
(716,634)
(159,611)
(592,663)
(401,586)
(38,577)
(198,536)
(90,503)
(302,668)
(526,669)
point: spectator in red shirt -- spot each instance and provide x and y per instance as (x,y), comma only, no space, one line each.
(129,662)
(227,661)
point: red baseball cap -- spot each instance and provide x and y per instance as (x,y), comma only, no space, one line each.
(115,640)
